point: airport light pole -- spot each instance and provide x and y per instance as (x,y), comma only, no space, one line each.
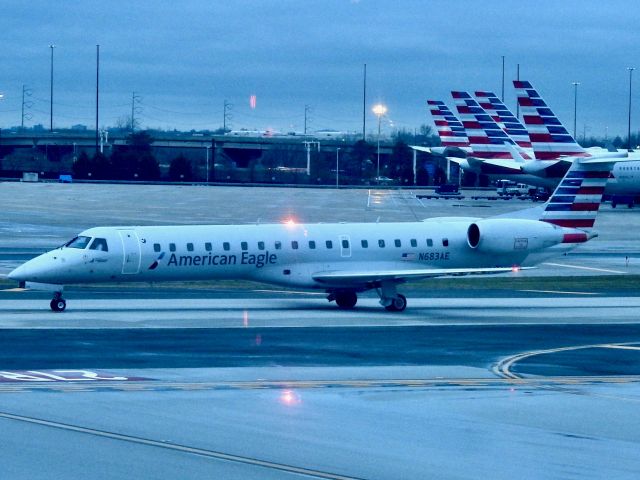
(52,46)
(631,69)
(379,111)
(575,106)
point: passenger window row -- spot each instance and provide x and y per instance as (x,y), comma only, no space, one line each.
(295,245)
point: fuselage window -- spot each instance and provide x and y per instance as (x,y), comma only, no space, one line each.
(294,244)
(345,243)
(78,242)
(278,245)
(312,244)
(244,245)
(99,244)
(189,247)
(445,242)
(329,244)
(260,245)
(414,242)
(207,246)
(156,247)
(172,247)
(397,243)
(381,243)
(429,242)
(364,243)
(226,246)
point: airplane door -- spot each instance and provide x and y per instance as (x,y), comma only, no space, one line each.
(131,252)
(345,246)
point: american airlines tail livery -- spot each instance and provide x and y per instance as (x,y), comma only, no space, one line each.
(343,259)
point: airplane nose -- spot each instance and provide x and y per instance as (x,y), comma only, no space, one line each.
(20,274)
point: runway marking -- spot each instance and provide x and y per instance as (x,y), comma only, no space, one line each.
(580,267)
(62,376)
(293,292)
(489,382)
(180,448)
(560,291)
(503,367)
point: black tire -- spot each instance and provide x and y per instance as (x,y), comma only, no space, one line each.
(58,305)
(398,304)
(346,300)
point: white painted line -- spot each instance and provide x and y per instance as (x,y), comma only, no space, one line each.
(623,347)
(583,268)
(560,291)
(292,292)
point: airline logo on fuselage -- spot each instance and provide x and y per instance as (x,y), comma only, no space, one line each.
(260,260)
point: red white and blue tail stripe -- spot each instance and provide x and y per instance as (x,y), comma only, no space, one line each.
(506,120)
(577,198)
(549,138)
(450,129)
(486,139)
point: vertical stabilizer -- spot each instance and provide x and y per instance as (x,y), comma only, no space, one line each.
(550,140)
(504,118)
(576,200)
(450,129)
(486,139)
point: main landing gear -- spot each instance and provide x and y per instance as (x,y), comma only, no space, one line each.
(58,304)
(391,300)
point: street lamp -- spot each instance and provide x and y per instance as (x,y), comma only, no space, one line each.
(379,110)
(631,69)
(51,83)
(575,106)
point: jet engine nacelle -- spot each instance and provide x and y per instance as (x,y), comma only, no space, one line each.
(502,236)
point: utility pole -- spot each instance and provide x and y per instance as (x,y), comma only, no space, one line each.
(26,92)
(135,99)
(307,110)
(575,107)
(502,78)
(517,101)
(631,69)
(226,115)
(97,96)
(364,105)
(51,93)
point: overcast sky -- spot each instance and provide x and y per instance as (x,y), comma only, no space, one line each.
(185,58)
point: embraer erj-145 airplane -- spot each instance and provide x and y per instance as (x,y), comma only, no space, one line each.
(342,258)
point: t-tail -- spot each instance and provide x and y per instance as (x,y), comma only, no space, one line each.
(550,140)
(506,120)
(486,139)
(576,200)
(450,129)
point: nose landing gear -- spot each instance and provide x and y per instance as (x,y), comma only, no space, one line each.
(58,304)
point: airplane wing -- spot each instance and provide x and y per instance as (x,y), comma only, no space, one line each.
(372,276)
(504,164)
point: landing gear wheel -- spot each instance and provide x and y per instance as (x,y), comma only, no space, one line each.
(398,304)
(58,305)
(346,300)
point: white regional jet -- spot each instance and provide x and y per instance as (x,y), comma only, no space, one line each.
(342,258)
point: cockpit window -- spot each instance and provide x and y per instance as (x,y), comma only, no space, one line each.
(99,244)
(78,242)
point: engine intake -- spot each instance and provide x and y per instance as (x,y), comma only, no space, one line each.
(501,236)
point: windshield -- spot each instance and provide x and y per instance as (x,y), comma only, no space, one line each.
(99,244)
(78,242)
